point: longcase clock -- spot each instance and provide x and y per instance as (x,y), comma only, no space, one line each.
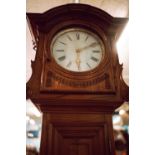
(77,79)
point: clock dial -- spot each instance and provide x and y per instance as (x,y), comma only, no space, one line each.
(77,50)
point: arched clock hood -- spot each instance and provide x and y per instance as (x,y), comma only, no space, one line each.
(72,15)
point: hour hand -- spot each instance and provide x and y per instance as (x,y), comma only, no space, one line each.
(77,61)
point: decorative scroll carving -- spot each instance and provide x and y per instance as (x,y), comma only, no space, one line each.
(34,45)
(76,83)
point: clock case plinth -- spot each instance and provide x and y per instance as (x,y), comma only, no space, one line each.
(77,107)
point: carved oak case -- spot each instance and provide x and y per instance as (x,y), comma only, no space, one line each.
(77,106)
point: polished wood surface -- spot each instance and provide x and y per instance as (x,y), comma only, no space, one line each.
(77,107)
(76,133)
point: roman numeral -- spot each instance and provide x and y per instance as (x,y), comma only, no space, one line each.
(94,59)
(77,36)
(88,65)
(94,44)
(62,58)
(69,37)
(69,64)
(60,50)
(62,42)
(96,51)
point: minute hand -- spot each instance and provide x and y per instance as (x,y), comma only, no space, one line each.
(91,45)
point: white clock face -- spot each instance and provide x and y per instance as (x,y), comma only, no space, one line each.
(77,50)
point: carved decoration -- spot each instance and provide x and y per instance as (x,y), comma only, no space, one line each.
(77,107)
(45,26)
(34,45)
(76,83)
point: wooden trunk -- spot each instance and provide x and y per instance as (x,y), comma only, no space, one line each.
(77,134)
